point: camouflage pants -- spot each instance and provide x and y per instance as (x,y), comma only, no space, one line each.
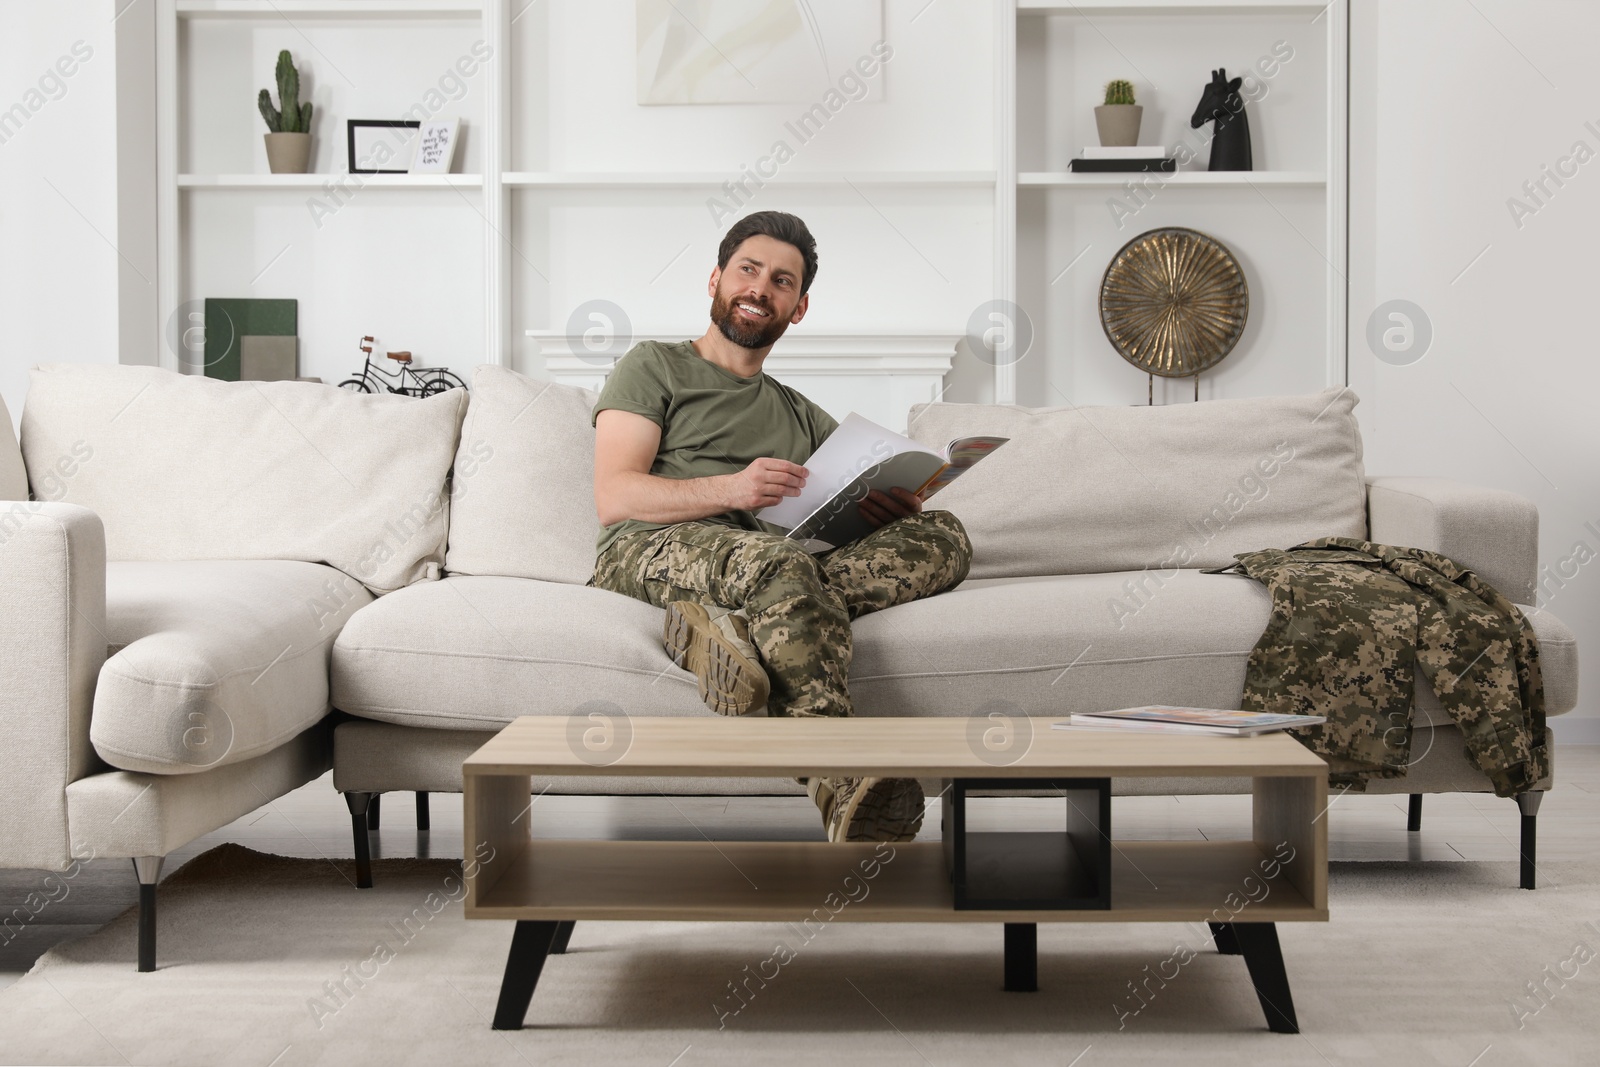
(799,605)
(1351,621)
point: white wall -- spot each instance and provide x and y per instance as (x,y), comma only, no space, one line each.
(58,189)
(914,259)
(1452,110)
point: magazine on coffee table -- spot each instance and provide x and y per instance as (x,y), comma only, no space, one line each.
(859,456)
(1160,718)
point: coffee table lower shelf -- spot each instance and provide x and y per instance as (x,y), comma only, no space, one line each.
(784,881)
(551,885)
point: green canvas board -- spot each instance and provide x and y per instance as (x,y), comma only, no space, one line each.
(229,321)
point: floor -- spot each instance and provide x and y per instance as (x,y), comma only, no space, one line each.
(312,822)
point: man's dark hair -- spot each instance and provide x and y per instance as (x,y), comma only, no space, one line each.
(780,226)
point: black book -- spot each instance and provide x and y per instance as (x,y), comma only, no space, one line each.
(1155,165)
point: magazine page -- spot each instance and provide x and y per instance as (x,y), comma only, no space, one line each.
(855,448)
(839,521)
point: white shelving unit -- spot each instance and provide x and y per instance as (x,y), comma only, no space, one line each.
(975,179)
(533,178)
(1285,221)
(317,181)
(336,9)
(1182,178)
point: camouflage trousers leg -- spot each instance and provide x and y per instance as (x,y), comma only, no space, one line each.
(799,605)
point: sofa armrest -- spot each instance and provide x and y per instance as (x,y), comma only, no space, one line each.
(1490,531)
(52,645)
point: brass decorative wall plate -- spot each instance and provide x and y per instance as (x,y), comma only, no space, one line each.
(1174,302)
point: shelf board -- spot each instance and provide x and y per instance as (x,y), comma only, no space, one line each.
(1226,179)
(316,181)
(331,9)
(696,179)
(786,881)
(1171,7)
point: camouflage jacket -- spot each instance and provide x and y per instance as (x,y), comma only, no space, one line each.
(1350,623)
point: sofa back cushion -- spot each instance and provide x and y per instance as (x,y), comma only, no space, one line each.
(1079,490)
(522,501)
(183,467)
(13,476)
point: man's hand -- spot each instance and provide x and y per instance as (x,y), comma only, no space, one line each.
(764,483)
(880,508)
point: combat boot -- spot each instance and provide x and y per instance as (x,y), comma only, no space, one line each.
(715,645)
(868,809)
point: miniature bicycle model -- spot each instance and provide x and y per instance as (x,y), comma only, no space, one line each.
(408,382)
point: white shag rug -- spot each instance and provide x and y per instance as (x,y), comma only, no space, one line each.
(273,962)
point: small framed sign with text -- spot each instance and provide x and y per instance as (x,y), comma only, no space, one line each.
(436,147)
(376,146)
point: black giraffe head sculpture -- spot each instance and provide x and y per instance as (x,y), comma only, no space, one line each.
(1222,104)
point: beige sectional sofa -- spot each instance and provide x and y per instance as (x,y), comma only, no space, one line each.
(210,568)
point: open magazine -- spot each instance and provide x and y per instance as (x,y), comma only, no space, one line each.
(1165,719)
(860,456)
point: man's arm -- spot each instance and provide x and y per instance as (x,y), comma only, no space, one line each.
(625,447)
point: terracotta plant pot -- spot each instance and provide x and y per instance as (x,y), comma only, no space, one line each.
(288,153)
(1118,124)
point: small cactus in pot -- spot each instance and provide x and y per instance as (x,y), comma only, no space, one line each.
(289,139)
(1118,119)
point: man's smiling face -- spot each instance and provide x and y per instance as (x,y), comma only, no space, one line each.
(758,295)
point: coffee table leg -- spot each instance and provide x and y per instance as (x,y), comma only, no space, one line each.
(1258,944)
(530,945)
(1222,937)
(563,935)
(1022,958)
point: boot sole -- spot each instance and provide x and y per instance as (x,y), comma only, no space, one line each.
(730,684)
(890,811)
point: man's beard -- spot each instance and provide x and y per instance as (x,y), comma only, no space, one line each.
(745,334)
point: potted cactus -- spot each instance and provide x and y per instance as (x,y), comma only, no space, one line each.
(1119,117)
(289,142)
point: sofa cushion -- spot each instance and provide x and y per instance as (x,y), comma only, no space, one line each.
(1080,490)
(474,653)
(522,500)
(183,467)
(215,662)
(13,476)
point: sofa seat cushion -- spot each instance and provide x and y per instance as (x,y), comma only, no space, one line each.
(476,652)
(215,662)
(1089,642)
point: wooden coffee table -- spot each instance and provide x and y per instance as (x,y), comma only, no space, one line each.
(1240,888)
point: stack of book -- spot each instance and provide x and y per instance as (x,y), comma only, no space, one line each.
(1097,160)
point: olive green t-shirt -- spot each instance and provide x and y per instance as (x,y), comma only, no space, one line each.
(712,421)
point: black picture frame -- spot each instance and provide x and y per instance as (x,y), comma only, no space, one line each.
(351,125)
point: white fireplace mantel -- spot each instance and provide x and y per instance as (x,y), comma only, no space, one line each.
(878,375)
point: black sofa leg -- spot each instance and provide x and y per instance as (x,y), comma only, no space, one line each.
(558,947)
(359,805)
(1414,813)
(1528,804)
(147,869)
(372,812)
(423,822)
